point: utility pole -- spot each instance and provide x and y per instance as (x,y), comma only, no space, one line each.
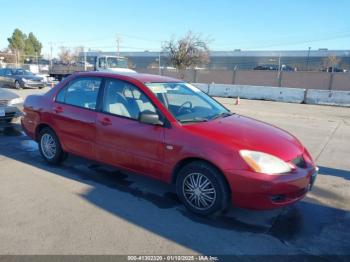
(159,55)
(51,49)
(37,61)
(308,58)
(118,45)
(160,70)
(279,66)
(84,58)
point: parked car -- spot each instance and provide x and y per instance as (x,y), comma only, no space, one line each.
(20,78)
(10,106)
(334,70)
(267,67)
(169,130)
(274,67)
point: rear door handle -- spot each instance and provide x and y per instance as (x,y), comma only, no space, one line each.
(58,109)
(105,121)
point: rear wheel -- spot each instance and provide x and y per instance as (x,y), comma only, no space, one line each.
(50,147)
(202,188)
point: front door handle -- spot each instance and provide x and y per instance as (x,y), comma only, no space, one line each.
(105,121)
(58,109)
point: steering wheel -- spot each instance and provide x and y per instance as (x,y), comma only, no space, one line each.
(183,106)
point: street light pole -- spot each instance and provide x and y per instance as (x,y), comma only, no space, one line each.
(308,58)
(50,54)
(84,53)
(160,70)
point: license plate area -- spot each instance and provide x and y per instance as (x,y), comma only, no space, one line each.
(2,112)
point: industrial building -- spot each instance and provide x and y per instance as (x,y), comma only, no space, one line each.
(314,60)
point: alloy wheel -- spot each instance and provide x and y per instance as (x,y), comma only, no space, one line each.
(48,146)
(199,191)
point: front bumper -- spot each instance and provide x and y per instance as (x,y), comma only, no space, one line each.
(260,191)
(10,112)
(34,84)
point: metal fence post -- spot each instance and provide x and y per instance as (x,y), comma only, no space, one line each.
(331,81)
(195,76)
(280,75)
(234,76)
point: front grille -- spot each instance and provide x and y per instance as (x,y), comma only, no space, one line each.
(7,116)
(12,114)
(3,102)
(299,162)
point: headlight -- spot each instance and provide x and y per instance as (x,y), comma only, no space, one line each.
(264,163)
(15,101)
(24,79)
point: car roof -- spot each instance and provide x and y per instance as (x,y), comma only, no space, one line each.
(144,78)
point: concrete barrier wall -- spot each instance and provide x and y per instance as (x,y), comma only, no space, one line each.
(327,97)
(280,94)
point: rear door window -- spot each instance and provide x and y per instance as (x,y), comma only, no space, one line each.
(81,92)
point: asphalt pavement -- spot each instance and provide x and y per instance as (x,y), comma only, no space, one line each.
(86,208)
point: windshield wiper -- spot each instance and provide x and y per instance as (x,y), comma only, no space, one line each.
(196,119)
(223,114)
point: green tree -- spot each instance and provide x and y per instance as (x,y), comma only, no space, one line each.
(17,42)
(21,45)
(32,45)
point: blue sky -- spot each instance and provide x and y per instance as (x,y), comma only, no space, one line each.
(143,24)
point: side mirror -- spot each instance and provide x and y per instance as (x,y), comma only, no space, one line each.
(150,118)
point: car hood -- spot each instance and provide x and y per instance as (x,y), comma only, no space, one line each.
(7,95)
(241,132)
(33,78)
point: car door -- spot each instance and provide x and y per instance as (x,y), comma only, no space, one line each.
(8,78)
(74,115)
(121,140)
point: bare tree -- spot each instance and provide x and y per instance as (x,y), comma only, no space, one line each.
(65,55)
(330,62)
(76,52)
(7,56)
(187,52)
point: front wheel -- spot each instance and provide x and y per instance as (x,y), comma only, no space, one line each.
(202,188)
(50,147)
(17,85)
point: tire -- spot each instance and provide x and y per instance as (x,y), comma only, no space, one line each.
(214,196)
(17,85)
(48,139)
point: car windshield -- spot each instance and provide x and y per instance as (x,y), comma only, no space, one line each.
(23,72)
(187,103)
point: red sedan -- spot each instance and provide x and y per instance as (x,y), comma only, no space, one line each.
(170,130)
